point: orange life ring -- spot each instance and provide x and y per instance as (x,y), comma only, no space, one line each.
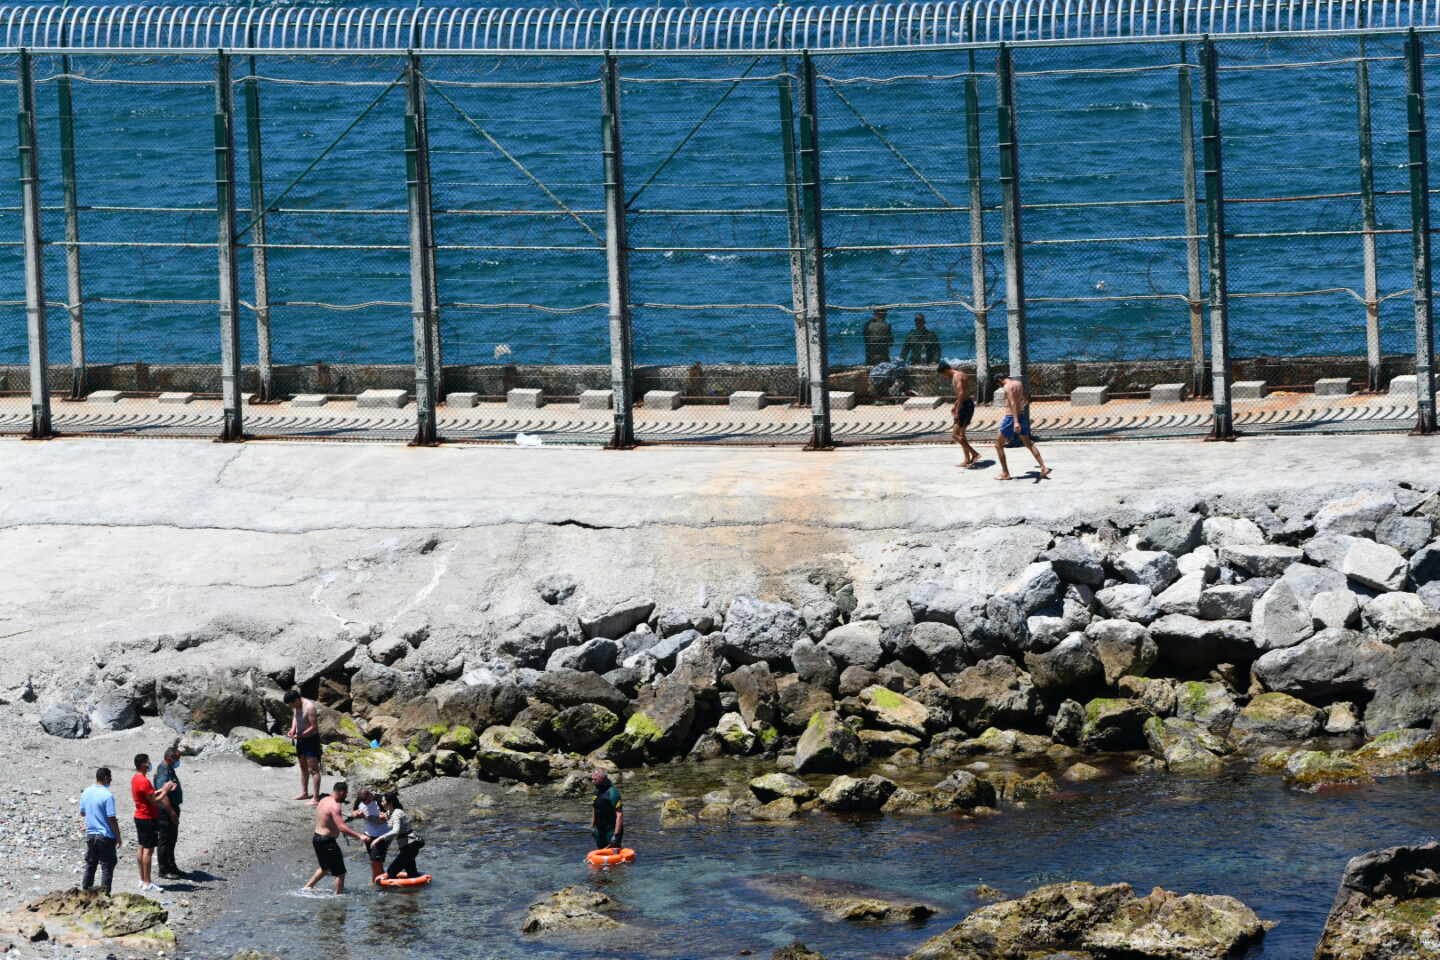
(402,881)
(609,856)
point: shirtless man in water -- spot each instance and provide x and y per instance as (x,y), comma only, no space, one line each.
(964,411)
(305,731)
(329,824)
(1016,426)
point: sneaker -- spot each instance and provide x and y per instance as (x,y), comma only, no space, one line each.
(152,888)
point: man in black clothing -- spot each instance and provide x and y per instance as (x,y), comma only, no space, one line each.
(168,826)
(607,822)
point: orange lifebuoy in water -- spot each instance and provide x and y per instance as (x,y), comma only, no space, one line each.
(609,856)
(386,880)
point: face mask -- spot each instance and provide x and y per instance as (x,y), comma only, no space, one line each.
(175,765)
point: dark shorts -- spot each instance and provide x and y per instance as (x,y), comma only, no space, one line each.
(308,747)
(378,848)
(965,414)
(328,855)
(146,832)
(1008,432)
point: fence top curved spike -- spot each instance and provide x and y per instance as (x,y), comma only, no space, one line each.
(720,29)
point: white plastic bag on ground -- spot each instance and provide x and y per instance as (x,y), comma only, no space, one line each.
(526,440)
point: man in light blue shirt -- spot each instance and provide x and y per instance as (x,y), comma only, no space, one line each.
(102,830)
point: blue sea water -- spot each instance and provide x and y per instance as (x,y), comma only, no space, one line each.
(1100,285)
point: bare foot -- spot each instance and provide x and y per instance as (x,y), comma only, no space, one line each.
(303,796)
(1003,476)
(314,803)
(1044,473)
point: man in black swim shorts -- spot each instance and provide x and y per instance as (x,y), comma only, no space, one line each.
(963,411)
(305,731)
(329,824)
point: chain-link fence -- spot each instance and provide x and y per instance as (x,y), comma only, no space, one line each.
(1156,237)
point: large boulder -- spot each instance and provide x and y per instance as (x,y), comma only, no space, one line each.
(760,630)
(1279,618)
(942,648)
(570,688)
(995,693)
(1034,587)
(932,602)
(65,720)
(118,709)
(1128,601)
(1174,535)
(814,666)
(1221,532)
(1272,717)
(1209,704)
(1072,665)
(1114,724)
(481,705)
(573,910)
(1425,564)
(1335,609)
(269,751)
(798,701)
(1045,920)
(756,694)
(1398,617)
(1152,568)
(773,786)
(701,665)
(1306,581)
(1189,643)
(584,726)
(592,656)
(1124,648)
(1387,907)
(1184,745)
(1231,601)
(1407,695)
(855,644)
(893,711)
(1330,664)
(1357,515)
(851,795)
(962,790)
(1074,562)
(218,704)
(612,620)
(511,753)
(79,917)
(828,745)
(1260,560)
(663,719)
(1375,565)
(1168,926)
(537,636)
(1183,596)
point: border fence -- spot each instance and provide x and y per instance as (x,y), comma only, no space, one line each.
(1165,217)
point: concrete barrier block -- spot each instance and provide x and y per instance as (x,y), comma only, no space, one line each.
(997,399)
(176,396)
(596,399)
(842,400)
(381,398)
(1089,396)
(462,400)
(1404,386)
(1169,392)
(747,400)
(1249,389)
(923,403)
(113,396)
(662,400)
(309,400)
(525,398)
(1332,387)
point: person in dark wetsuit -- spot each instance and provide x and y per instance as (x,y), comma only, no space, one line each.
(607,820)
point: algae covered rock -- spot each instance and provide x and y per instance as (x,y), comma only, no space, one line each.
(1387,908)
(1050,918)
(573,909)
(1273,717)
(584,726)
(1168,926)
(828,745)
(893,711)
(79,915)
(849,794)
(1208,704)
(1112,723)
(843,899)
(371,765)
(1184,745)
(512,753)
(1312,770)
(774,785)
(270,751)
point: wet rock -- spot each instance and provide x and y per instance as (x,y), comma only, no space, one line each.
(1209,704)
(673,814)
(1074,562)
(828,745)
(1081,772)
(1335,609)
(757,698)
(1329,664)
(1272,717)
(995,693)
(613,620)
(1113,724)
(1174,927)
(1174,535)
(1279,619)
(1387,907)
(1313,770)
(814,666)
(962,790)
(1400,752)
(1122,647)
(781,808)
(796,951)
(1033,788)
(1260,560)
(843,899)
(1128,601)
(1050,918)
(1184,745)
(584,726)
(772,786)
(759,630)
(1408,695)
(893,711)
(1068,722)
(849,794)
(735,736)
(1152,568)
(573,909)
(270,751)
(1399,617)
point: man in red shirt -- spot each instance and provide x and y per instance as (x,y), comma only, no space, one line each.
(148,803)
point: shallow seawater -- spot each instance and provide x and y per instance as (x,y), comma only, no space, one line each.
(689,893)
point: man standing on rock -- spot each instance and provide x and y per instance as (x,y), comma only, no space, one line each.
(305,731)
(149,803)
(607,820)
(1015,427)
(168,827)
(329,824)
(102,831)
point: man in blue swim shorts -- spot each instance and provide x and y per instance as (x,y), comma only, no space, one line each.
(1015,427)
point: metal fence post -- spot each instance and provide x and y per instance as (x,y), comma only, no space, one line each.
(1420,236)
(427,211)
(796,234)
(1367,216)
(259,256)
(34,261)
(978,293)
(74,291)
(1193,287)
(234,428)
(815,325)
(1224,425)
(617,261)
(1012,237)
(417,163)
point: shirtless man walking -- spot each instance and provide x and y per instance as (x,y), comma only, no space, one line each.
(1016,426)
(964,410)
(305,731)
(329,824)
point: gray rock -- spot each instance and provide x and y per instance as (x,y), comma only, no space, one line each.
(1044,632)
(1183,596)
(1071,665)
(1406,534)
(65,720)
(676,621)
(584,726)
(1128,601)
(854,679)
(759,630)
(944,648)
(1069,721)
(962,790)
(1272,717)
(1152,568)
(1209,704)
(637,641)
(990,557)
(664,718)
(814,666)
(1035,587)
(935,602)
(1335,609)
(1074,562)
(613,620)
(556,588)
(1425,565)
(702,663)
(1174,535)
(1219,532)
(1185,746)
(855,644)
(1328,549)
(1375,565)
(1279,619)
(1407,695)
(1203,559)
(799,701)
(1260,560)
(667,649)
(116,710)
(1190,643)
(1306,580)
(538,636)
(1330,664)
(848,794)
(388,649)
(569,688)
(324,659)
(592,656)
(1123,648)
(1231,601)
(995,693)
(628,680)
(1356,515)
(1398,617)
(1429,595)
(1342,719)
(1114,724)
(828,745)
(756,695)
(820,616)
